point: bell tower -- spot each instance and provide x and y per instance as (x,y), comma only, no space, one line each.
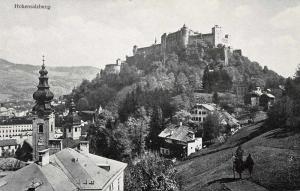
(43,127)
(73,123)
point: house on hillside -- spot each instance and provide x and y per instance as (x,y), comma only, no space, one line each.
(179,141)
(68,170)
(254,96)
(200,111)
(266,100)
(228,120)
(261,98)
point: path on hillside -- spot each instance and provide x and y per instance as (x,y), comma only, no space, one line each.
(230,145)
(244,185)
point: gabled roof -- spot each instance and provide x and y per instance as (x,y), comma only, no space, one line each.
(179,133)
(209,107)
(68,170)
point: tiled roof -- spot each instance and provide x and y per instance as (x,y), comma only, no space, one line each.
(16,121)
(209,107)
(179,133)
(68,170)
(8,142)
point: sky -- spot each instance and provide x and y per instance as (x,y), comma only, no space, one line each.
(96,33)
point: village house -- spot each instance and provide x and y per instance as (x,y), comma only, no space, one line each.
(199,112)
(179,141)
(261,98)
(266,100)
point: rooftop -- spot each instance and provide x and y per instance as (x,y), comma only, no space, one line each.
(8,142)
(209,107)
(68,170)
(178,132)
(16,121)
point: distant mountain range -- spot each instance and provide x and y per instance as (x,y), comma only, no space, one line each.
(19,81)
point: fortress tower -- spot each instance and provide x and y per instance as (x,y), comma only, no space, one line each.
(217,35)
(184,37)
(43,126)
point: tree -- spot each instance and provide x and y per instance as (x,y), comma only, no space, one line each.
(150,172)
(156,126)
(211,127)
(182,83)
(215,98)
(24,153)
(83,104)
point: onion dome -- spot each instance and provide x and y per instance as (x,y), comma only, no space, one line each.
(43,96)
(72,118)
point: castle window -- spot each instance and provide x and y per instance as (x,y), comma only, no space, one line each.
(75,129)
(41,128)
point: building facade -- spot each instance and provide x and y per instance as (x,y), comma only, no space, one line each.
(16,128)
(179,141)
(184,37)
(113,68)
(200,111)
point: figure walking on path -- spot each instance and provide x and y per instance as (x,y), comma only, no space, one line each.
(249,164)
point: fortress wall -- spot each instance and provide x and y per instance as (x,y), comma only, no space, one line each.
(208,38)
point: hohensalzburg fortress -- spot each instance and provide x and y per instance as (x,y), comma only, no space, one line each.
(216,44)
(184,37)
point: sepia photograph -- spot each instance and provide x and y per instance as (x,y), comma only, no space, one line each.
(149,95)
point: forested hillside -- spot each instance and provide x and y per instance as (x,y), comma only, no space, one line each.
(178,76)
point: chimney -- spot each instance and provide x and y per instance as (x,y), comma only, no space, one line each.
(84,147)
(44,157)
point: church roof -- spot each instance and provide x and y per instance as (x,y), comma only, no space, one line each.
(68,169)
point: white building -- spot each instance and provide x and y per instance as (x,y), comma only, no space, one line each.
(16,128)
(200,111)
(179,141)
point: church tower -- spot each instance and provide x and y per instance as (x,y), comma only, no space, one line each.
(73,123)
(43,127)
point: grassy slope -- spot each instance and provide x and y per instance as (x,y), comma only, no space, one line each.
(276,155)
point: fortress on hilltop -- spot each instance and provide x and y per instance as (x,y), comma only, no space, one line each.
(183,38)
(216,44)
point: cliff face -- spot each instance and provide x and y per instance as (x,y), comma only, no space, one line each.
(19,81)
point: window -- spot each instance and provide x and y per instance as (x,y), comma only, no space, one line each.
(51,127)
(69,129)
(41,128)
(75,129)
